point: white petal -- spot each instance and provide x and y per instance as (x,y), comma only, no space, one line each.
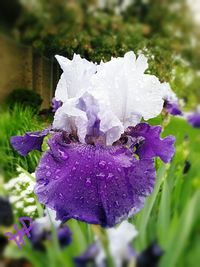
(119,239)
(132,94)
(73,117)
(61,90)
(76,73)
(141,63)
(167,93)
(117,93)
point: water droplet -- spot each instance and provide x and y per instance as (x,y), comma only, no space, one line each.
(76,163)
(74,168)
(57,171)
(102,163)
(63,154)
(119,169)
(60,195)
(116,203)
(88,181)
(110,175)
(124,195)
(48,173)
(101,174)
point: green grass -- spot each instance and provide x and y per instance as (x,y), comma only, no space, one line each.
(17,122)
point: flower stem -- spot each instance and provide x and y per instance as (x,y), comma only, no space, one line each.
(102,237)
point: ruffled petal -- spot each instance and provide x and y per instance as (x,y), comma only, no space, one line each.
(30,141)
(81,115)
(75,78)
(99,185)
(132,94)
(152,145)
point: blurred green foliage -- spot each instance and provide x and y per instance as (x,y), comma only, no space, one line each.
(24,98)
(162,30)
(17,122)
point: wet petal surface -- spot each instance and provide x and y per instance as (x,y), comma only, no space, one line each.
(152,145)
(99,185)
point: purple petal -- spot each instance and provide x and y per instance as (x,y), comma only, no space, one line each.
(99,185)
(55,104)
(152,145)
(64,236)
(173,108)
(194,120)
(150,256)
(30,141)
(89,256)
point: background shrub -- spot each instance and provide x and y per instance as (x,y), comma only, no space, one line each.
(24,98)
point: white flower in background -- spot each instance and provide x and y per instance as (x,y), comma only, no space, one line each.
(117,93)
(45,223)
(119,239)
(20,190)
(119,245)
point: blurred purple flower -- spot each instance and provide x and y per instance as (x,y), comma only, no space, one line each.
(171,101)
(42,231)
(150,257)
(6,213)
(173,108)
(194,119)
(119,244)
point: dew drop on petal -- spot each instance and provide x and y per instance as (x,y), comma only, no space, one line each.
(88,181)
(63,154)
(116,203)
(110,175)
(48,173)
(101,174)
(102,163)
(60,195)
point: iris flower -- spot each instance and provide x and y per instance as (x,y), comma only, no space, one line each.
(100,164)
(42,227)
(121,250)
(172,103)
(194,118)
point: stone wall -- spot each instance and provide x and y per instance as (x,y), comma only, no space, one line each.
(20,67)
